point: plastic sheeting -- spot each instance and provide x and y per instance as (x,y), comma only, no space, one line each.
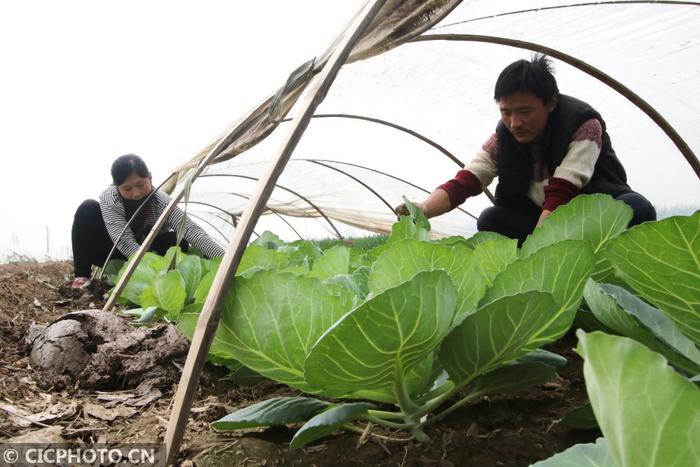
(443,91)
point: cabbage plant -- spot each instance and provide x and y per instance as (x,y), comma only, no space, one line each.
(415,328)
(660,262)
(658,304)
(164,286)
(648,413)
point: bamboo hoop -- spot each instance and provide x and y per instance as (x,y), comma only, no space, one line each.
(408,131)
(336,232)
(572,5)
(385,174)
(603,77)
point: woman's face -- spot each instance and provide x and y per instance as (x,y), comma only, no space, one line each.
(135,187)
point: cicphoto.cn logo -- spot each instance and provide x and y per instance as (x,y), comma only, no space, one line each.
(61,454)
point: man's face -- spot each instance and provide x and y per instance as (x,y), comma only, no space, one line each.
(525,115)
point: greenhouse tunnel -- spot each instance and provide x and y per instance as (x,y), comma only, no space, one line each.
(407,109)
(442,92)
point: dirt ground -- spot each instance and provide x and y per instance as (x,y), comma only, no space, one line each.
(511,430)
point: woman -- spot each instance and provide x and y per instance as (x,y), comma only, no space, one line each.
(97,226)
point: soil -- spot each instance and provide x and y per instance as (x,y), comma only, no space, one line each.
(508,430)
(100,350)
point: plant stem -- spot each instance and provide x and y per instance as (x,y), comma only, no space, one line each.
(439,391)
(428,406)
(355,429)
(386,414)
(387,423)
(468,398)
(406,405)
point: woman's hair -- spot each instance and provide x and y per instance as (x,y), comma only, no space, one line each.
(126,165)
(534,76)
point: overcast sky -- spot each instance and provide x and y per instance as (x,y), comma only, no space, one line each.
(86,81)
(83,82)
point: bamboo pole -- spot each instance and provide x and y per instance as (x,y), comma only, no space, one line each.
(211,311)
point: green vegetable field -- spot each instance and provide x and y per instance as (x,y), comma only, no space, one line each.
(403,334)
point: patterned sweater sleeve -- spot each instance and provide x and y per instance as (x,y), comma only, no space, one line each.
(576,169)
(476,175)
(115,221)
(194,234)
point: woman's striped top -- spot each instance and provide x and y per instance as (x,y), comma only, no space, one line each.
(114,215)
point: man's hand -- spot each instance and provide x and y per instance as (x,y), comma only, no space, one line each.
(402,210)
(545,213)
(434,205)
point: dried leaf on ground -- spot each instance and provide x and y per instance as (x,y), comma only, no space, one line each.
(43,436)
(23,418)
(143,395)
(108,414)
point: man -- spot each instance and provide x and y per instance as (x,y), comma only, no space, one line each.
(547,148)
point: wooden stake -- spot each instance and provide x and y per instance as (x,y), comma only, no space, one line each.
(211,311)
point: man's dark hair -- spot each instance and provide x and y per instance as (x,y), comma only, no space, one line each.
(126,165)
(534,76)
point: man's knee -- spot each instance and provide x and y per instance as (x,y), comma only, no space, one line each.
(490,220)
(643,210)
(513,222)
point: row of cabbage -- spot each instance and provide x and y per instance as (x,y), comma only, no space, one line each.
(413,329)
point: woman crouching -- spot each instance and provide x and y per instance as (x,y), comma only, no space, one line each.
(98,225)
